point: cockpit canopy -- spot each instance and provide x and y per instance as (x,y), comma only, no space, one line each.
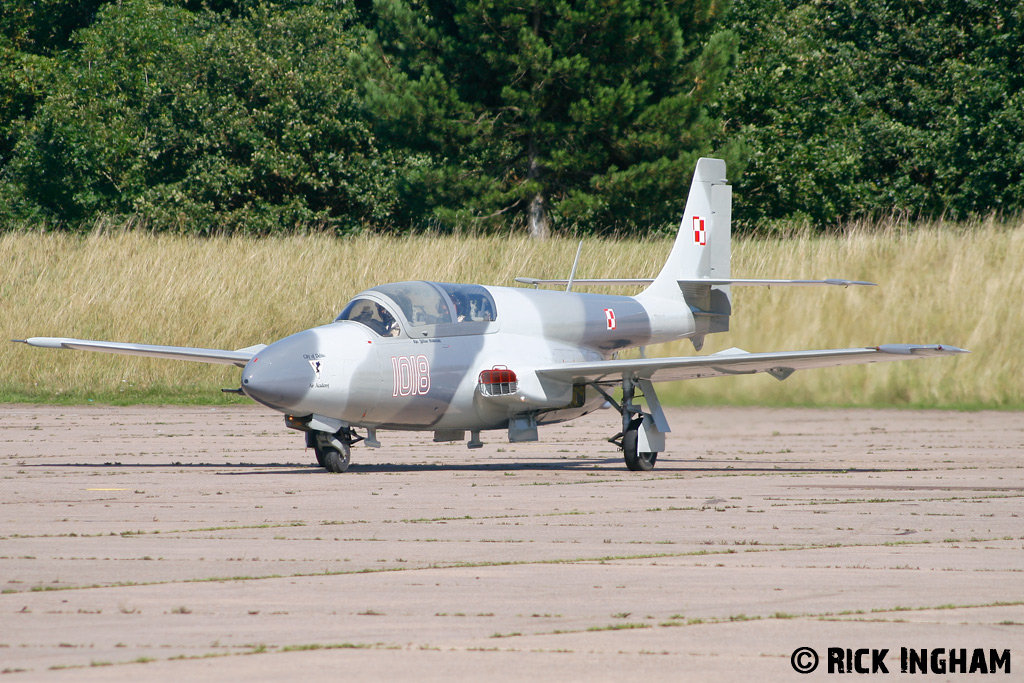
(373,315)
(422,305)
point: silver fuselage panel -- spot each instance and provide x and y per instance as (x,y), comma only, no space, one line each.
(426,375)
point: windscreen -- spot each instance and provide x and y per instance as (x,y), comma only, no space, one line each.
(372,315)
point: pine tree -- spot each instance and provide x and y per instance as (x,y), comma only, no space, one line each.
(588,113)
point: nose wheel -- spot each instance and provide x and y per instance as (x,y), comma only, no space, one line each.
(333,451)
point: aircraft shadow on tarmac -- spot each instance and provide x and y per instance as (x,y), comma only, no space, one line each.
(605,465)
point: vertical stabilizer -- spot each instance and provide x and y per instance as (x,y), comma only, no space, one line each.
(701,250)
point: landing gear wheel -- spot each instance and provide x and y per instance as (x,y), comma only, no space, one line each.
(632,421)
(337,460)
(333,452)
(636,461)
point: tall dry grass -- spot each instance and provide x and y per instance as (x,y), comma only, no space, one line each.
(938,283)
(955,284)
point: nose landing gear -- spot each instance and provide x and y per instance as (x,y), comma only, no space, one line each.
(333,451)
(330,438)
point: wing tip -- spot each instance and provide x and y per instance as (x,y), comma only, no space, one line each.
(849,283)
(946,348)
(44,342)
(920,349)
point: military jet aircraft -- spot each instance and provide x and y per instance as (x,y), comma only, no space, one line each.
(455,358)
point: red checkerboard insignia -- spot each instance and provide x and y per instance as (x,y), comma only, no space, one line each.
(700,235)
(609,316)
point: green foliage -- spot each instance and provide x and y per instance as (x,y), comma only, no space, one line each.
(864,108)
(594,110)
(45,26)
(206,122)
(30,32)
(20,76)
(278,115)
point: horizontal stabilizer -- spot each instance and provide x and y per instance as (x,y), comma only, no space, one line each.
(711,282)
(221,356)
(735,362)
(586,281)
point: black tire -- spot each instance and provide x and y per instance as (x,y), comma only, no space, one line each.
(636,461)
(334,460)
(333,452)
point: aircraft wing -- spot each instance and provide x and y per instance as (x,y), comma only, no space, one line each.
(735,362)
(221,356)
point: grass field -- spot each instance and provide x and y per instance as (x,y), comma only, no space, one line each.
(955,284)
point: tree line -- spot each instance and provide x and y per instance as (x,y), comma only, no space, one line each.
(267,116)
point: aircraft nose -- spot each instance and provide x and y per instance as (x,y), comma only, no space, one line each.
(281,374)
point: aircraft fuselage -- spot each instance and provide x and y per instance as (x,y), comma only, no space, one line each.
(429,376)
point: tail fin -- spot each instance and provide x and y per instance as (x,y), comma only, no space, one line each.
(701,250)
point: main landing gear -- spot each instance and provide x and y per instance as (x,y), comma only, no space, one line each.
(333,451)
(643,433)
(636,460)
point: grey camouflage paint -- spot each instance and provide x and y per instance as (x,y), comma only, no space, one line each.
(346,371)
